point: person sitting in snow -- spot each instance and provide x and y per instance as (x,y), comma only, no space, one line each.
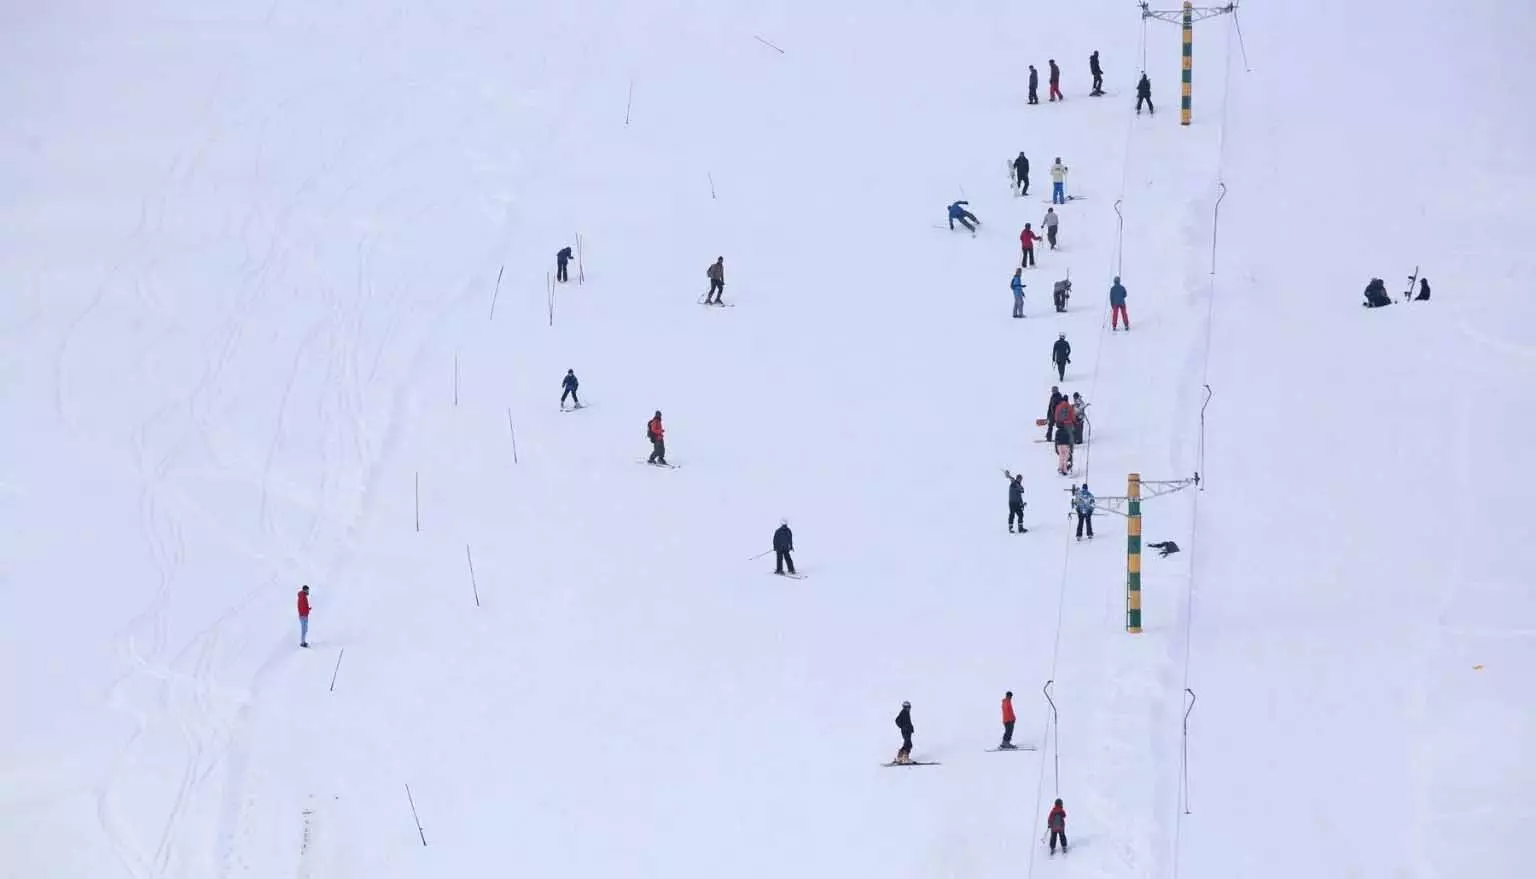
(1376,294)
(966,218)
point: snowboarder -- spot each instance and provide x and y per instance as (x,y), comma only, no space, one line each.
(1021,173)
(1056,823)
(957,211)
(1052,219)
(716,275)
(304,616)
(1055,82)
(1423,291)
(1082,502)
(1098,74)
(1080,411)
(562,259)
(657,435)
(904,723)
(783,545)
(570,384)
(1034,85)
(1015,502)
(1008,720)
(1144,93)
(1058,182)
(1376,294)
(1061,355)
(1050,411)
(1027,240)
(1061,292)
(1117,310)
(1017,284)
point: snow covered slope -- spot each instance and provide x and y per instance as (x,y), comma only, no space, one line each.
(276,313)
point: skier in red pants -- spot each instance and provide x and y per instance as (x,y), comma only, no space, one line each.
(1117,306)
(1056,82)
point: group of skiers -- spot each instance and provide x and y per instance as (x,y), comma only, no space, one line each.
(1096,70)
(1066,419)
(1056,820)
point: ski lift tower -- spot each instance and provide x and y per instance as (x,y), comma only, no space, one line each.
(1187,18)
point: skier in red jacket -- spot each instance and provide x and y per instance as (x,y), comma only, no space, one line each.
(1027,240)
(1056,823)
(304,616)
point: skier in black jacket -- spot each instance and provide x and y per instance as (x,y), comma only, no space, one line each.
(783,545)
(1050,411)
(1015,502)
(1098,74)
(1061,355)
(1034,85)
(904,723)
(1021,172)
(562,259)
(1144,93)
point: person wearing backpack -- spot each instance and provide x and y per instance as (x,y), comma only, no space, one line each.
(657,435)
(1017,284)
(1056,823)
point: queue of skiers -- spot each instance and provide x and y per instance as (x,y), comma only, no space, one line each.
(1095,70)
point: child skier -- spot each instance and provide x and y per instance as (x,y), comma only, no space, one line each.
(1056,823)
(570,384)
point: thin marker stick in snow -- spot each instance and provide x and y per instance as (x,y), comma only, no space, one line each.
(418,502)
(497,292)
(711,185)
(768,44)
(1056,733)
(581,271)
(472,584)
(628,101)
(1186,747)
(513,431)
(414,816)
(455,379)
(338,668)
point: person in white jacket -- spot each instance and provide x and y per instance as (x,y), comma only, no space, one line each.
(1058,182)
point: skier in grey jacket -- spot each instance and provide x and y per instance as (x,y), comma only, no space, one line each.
(1050,222)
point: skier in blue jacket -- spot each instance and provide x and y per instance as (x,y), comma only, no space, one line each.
(966,218)
(1018,292)
(570,384)
(1082,501)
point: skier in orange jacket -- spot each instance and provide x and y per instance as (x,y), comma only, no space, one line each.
(1008,721)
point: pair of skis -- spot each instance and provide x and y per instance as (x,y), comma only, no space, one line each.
(937,763)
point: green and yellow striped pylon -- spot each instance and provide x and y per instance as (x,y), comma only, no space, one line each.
(1133,554)
(1186,102)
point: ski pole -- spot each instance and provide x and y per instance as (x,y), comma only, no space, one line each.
(759,555)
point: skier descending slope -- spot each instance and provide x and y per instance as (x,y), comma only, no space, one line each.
(957,211)
(1017,285)
(904,723)
(1015,502)
(783,545)
(657,435)
(1056,823)
(570,384)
